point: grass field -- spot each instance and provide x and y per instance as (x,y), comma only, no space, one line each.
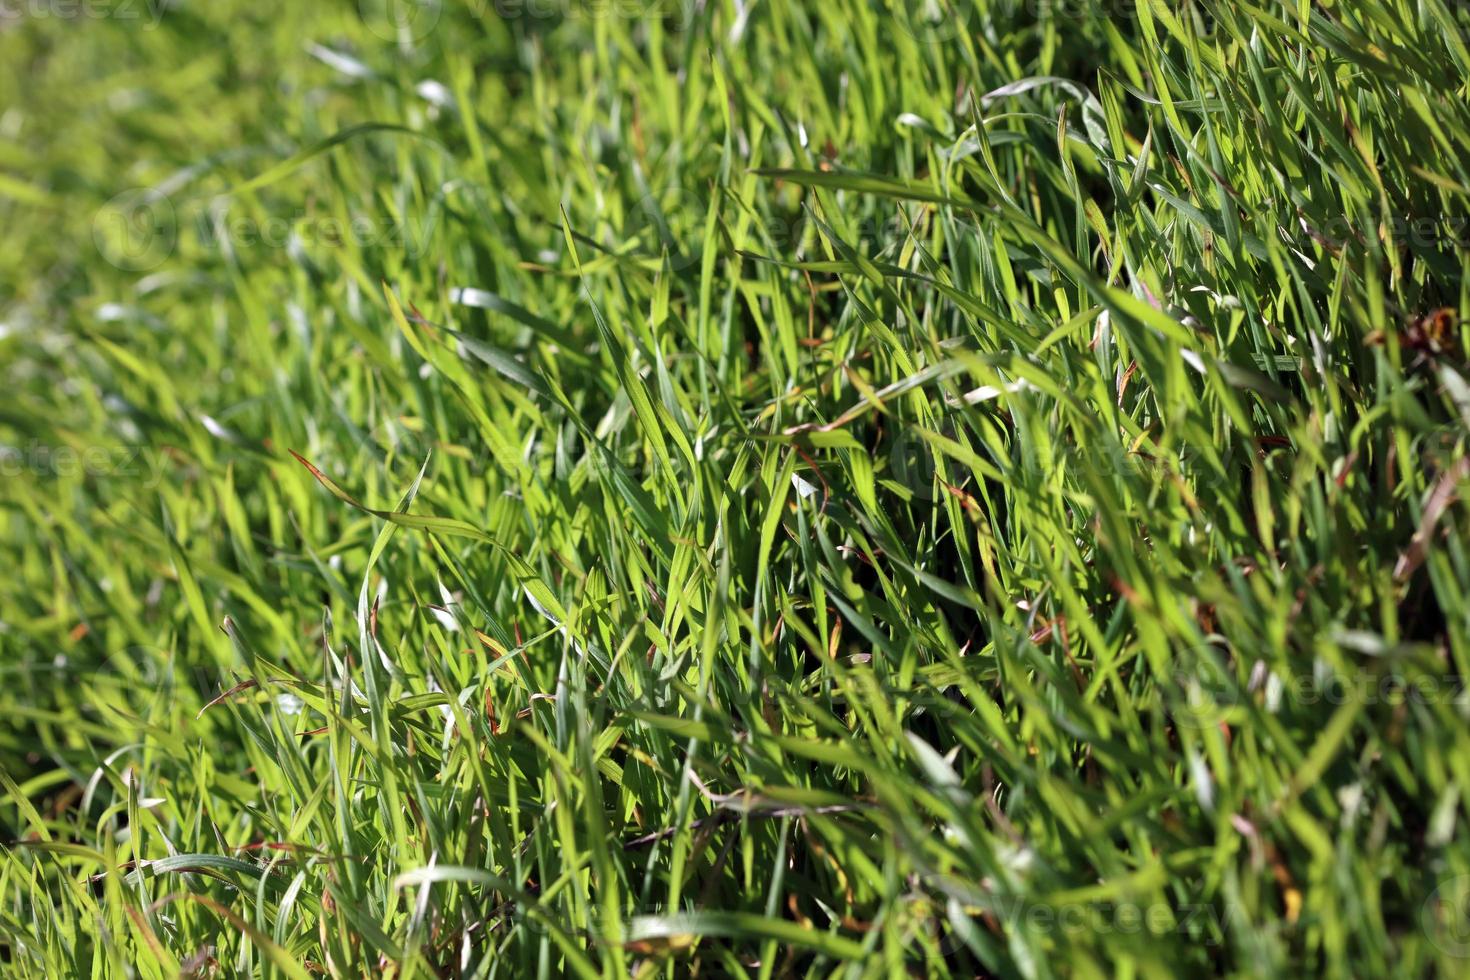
(510,488)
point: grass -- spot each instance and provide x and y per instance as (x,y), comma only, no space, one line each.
(759,489)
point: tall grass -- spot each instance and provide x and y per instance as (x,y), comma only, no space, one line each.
(565,487)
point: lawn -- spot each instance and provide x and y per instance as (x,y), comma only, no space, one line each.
(756,488)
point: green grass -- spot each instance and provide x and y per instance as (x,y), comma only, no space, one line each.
(740,488)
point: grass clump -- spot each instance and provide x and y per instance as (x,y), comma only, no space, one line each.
(754,489)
